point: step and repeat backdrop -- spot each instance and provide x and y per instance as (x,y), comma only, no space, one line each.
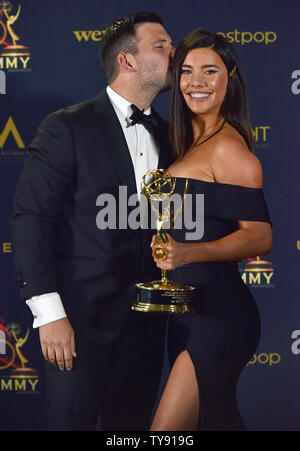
(56,64)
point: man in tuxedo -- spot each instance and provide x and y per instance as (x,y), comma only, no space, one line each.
(78,279)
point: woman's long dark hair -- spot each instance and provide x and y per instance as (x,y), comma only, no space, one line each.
(234,109)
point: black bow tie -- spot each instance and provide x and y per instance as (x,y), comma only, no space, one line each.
(151,122)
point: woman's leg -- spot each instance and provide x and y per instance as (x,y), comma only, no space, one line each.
(178,409)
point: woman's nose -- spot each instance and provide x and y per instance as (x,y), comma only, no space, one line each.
(198,80)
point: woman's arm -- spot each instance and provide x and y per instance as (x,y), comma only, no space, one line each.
(252,239)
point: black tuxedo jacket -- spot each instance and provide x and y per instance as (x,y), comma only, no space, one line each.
(80,152)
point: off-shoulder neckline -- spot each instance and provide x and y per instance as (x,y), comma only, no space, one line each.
(216,183)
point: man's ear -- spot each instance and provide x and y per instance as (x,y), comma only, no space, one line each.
(126,62)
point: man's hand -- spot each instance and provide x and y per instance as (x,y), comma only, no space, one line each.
(58,343)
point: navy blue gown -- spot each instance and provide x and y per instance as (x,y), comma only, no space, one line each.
(223,333)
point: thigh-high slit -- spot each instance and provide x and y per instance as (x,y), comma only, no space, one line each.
(220,338)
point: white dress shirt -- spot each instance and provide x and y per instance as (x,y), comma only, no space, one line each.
(144,152)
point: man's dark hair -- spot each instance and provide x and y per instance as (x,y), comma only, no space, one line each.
(121,37)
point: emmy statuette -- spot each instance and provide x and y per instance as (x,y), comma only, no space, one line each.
(162,295)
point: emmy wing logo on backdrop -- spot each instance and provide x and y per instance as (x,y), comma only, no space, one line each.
(15,373)
(14,57)
(257,272)
(11,143)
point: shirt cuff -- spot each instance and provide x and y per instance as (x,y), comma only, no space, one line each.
(46,308)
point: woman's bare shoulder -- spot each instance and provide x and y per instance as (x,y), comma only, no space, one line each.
(232,161)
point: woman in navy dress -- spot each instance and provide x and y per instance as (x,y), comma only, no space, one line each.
(212,140)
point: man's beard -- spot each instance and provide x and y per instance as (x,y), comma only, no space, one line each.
(153,81)
(168,82)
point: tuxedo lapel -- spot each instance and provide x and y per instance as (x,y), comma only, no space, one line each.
(109,127)
(112,135)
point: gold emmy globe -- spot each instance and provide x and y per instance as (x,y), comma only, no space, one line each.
(162,295)
(22,372)
(13,49)
(258,265)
